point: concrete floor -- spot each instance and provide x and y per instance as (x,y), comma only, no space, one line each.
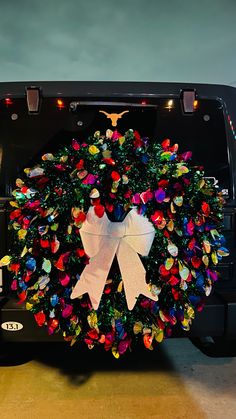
(175,381)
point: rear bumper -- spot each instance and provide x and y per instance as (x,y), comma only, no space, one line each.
(217,319)
(12,312)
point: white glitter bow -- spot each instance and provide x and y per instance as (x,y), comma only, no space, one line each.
(102,240)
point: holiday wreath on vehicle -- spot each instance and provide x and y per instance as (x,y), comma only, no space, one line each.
(115,238)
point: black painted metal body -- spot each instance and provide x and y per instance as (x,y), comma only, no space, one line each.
(209,132)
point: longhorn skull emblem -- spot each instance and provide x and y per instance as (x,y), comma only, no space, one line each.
(114,117)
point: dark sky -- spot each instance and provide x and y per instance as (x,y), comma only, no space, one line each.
(152,40)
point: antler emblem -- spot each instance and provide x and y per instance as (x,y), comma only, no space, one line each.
(114,117)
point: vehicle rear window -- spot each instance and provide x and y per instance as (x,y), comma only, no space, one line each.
(24,137)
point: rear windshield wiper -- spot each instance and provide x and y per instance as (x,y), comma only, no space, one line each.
(75,104)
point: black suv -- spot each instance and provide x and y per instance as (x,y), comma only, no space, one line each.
(37,117)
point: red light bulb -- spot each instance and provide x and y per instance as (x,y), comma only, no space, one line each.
(8,101)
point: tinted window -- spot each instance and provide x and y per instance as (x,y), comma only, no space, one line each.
(23,137)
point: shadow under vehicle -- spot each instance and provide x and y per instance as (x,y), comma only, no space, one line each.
(37,117)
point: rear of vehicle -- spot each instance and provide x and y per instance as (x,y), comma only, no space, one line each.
(36,118)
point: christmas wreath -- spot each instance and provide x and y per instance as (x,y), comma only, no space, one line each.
(115,239)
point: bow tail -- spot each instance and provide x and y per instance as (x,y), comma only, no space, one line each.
(94,275)
(133,274)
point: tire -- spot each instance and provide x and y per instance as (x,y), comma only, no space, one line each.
(12,354)
(216,347)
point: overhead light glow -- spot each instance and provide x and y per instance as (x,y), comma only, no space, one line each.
(170,104)
(60,103)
